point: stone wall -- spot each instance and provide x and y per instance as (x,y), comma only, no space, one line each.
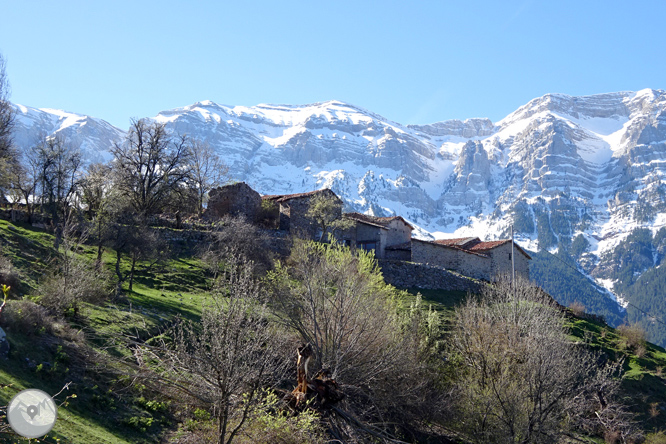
(236,199)
(412,275)
(425,252)
(398,233)
(469,264)
(501,258)
(474,265)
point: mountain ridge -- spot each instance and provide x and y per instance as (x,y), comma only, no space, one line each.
(561,169)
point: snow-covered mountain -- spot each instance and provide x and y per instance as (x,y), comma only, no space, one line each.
(571,173)
(93,136)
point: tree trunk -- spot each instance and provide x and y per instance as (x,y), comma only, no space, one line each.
(131,276)
(119,287)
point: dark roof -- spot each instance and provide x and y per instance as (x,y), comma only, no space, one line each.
(286,197)
(452,246)
(458,242)
(377,221)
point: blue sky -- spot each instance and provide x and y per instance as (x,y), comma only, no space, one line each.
(412,62)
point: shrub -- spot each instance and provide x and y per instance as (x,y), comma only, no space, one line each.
(633,337)
(75,281)
(236,237)
(30,319)
(27,318)
(577,308)
(8,274)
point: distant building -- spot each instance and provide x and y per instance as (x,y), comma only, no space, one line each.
(293,210)
(237,199)
(472,257)
(386,236)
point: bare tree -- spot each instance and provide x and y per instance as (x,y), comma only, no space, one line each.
(25,178)
(59,171)
(7,152)
(150,165)
(235,236)
(207,170)
(226,358)
(94,187)
(521,377)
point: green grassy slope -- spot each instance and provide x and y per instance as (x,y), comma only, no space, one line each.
(107,409)
(91,352)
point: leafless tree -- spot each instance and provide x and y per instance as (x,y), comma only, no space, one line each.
(25,178)
(521,377)
(207,170)
(73,278)
(150,165)
(7,152)
(226,358)
(59,171)
(235,236)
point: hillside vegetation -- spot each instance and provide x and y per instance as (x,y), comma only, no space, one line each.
(127,378)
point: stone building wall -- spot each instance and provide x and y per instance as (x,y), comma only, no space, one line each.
(501,260)
(413,275)
(235,200)
(293,213)
(474,265)
(398,233)
(438,255)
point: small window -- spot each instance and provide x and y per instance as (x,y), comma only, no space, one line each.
(369,246)
(509,256)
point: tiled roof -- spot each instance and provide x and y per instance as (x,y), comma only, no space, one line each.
(485,246)
(475,245)
(286,197)
(460,241)
(374,220)
(481,246)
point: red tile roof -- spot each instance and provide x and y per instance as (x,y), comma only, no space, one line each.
(475,245)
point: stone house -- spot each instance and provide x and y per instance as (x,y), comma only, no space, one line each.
(237,199)
(472,257)
(386,236)
(293,209)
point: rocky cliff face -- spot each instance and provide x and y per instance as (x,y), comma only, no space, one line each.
(574,174)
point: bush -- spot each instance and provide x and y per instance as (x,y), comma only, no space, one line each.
(75,281)
(577,308)
(633,337)
(27,318)
(8,274)
(656,438)
(236,237)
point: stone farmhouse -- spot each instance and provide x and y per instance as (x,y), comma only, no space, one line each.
(472,257)
(390,238)
(379,234)
(293,209)
(237,199)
